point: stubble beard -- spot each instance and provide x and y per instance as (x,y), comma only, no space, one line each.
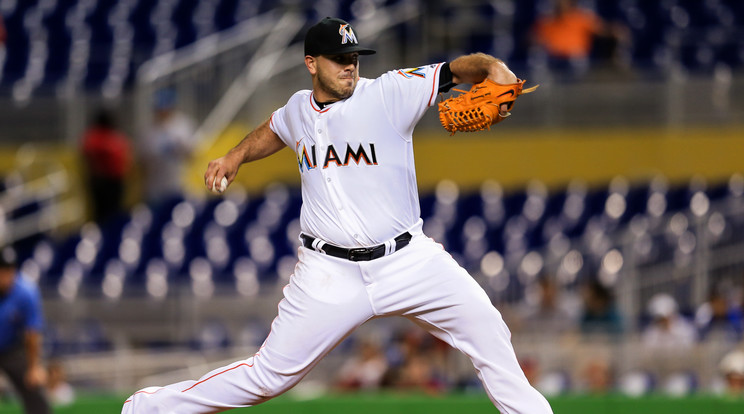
(336,87)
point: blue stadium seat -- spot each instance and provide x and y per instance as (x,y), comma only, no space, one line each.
(678,198)
(64,250)
(468,206)
(17,45)
(144,33)
(525,14)
(611,11)
(100,46)
(651,38)
(225,14)
(156,279)
(717,191)
(109,249)
(636,202)
(59,41)
(731,53)
(182,18)
(701,13)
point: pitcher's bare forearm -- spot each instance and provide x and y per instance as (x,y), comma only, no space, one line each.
(476,67)
(258,144)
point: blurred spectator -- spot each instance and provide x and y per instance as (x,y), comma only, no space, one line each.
(570,33)
(59,390)
(716,319)
(21,323)
(417,374)
(732,368)
(363,371)
(531,368)
(597,376)
(549,382)
(417,363)
(548,317)
(600,315)
(668,330)
(168,146)
(108,158)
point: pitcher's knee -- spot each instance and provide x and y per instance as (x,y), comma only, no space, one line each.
(271,385)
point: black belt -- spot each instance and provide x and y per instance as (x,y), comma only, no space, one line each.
(360,254)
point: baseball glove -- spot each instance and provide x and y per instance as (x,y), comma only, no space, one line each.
(480,107)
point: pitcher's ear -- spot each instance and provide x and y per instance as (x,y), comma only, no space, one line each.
(310,63)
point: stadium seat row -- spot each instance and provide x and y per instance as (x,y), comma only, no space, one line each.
(248,241)
(101,44)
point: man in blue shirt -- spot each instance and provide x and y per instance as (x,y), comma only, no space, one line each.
(21,322)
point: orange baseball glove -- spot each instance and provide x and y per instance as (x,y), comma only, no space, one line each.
(480,107)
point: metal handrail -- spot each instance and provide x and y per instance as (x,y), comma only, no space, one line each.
(56,210)
(272,64)
(259,69)
(274,55)
(207,48)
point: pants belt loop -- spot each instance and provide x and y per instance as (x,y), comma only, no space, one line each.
(389,247)
(318,245)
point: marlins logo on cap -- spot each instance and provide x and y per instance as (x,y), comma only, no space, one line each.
(347,34)
(323,39)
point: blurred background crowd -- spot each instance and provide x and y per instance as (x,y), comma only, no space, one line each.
(605,219)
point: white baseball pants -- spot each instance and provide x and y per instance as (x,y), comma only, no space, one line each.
(327,298)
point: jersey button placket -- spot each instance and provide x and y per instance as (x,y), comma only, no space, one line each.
(329,174)
(323,142)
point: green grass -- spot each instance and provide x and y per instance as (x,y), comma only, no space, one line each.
(453,404)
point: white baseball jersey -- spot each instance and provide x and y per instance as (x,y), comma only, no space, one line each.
(356,156)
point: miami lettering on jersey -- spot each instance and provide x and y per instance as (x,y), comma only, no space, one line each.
(302,157)
(347,35)
(307,160)
(411,72)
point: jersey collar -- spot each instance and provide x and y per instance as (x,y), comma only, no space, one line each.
(316,107)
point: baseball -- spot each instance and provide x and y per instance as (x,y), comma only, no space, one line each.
(223,186)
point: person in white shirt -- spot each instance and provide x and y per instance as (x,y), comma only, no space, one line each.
(668,330)
(363,252)
(168,147)
(732,368)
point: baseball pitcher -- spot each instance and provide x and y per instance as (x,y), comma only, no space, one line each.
(363,252)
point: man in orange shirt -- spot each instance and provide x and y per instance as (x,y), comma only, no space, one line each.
(568,34)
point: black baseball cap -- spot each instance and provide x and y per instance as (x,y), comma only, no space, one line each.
(333,36)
